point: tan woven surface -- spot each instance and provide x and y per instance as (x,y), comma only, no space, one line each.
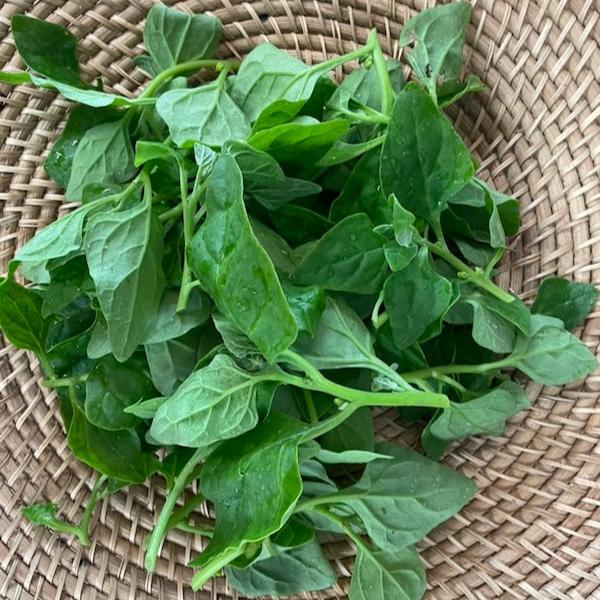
(533,529)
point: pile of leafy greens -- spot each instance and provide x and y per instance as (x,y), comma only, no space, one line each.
(256,262)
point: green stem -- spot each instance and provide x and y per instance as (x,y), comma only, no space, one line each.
(188,233)
(186,67)
(478,278)
(84,524)
(387,91)
(171,213)
(449,381)
(195,529)
(214,567)
(322,427)
(162,523)
(375,311)
(317,382)
(310,406)
(437,372)
(183,512)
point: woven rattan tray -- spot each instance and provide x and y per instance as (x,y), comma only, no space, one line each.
(532,531)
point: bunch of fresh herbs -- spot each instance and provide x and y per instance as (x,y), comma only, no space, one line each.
(256,262)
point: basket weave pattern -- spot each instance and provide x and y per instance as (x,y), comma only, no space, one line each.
(532,530)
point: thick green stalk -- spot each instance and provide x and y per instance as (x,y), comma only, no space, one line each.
(187,67)
(478,278)
(316,382)
(437,372)
(165,514)
(84,524)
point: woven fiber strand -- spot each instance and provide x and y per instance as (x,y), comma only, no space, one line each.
(532,531)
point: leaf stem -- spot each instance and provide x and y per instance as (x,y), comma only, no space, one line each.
(186,67)
(438,372)
(310,406)
(162,523)
(317,382)
(387,91)
(84,524)
(476,277)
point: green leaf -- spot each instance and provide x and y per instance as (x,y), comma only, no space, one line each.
(569,301)
(439,35)
(485,415)
(423,160)
(235,269)
(277,248)
(171,362)
(269,457)
(286,221)
(362,193)
(113,386)
(172,37)
(414,299)
(549,354)
(169,324)
(264,179)
(398,257)
(491,331)
(379,575)
(268,74)
(361,88)
(356,433)
(236,342)
(301,142)
(104,155)
(58,239)
(145,409)
(306,303)
(297,570)
(146,151)
(47,49)
(116,454)
(348,258)
(21,320)
(353,457)
(204,114)
(215,403)
(340,340)
(451,91)
(124,252)
(59,162)
(401,499)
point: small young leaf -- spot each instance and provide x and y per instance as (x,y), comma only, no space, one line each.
(550,354)
(439,35)
(21,320)
(104,155)
(569,301)
(380,575)
(173,37)
(47,49)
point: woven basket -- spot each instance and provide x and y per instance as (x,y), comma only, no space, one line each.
(532,531)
